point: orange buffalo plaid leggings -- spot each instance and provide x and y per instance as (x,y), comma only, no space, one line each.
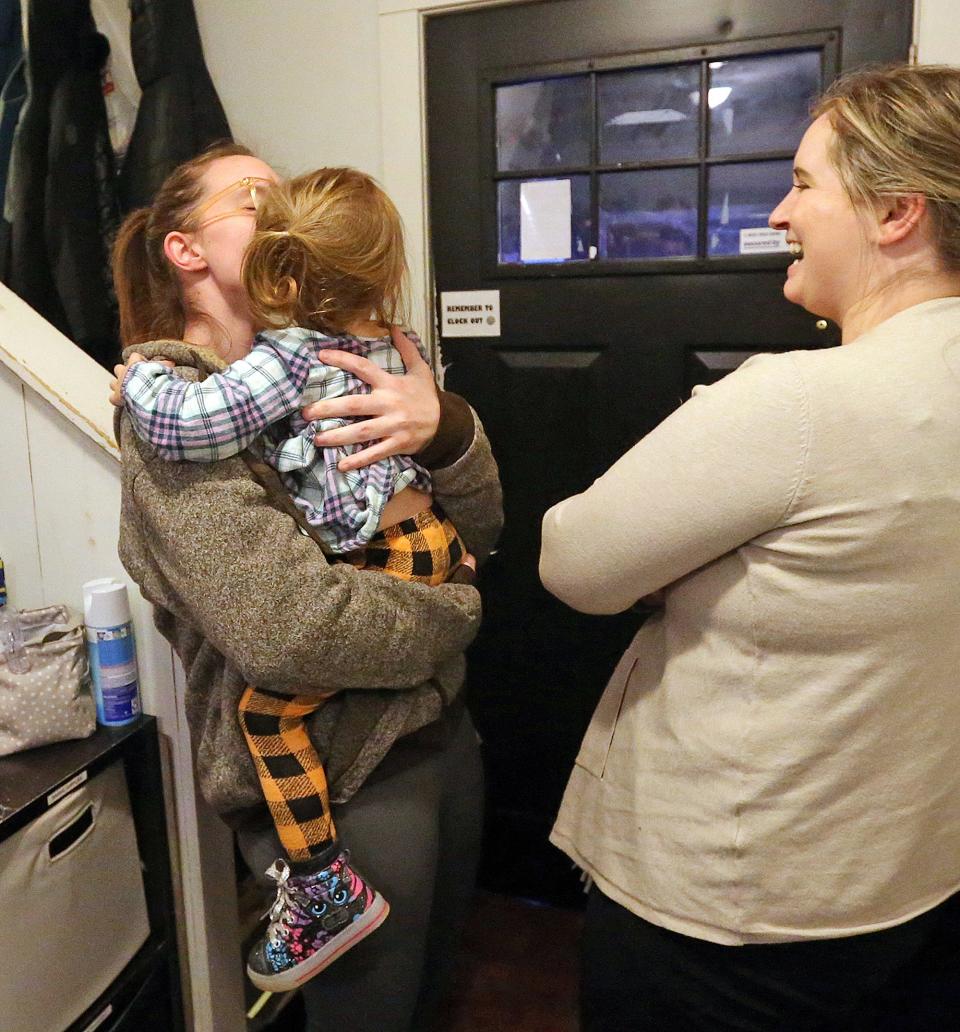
(424,548)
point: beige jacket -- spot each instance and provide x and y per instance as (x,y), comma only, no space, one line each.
(777,756)
(245,598)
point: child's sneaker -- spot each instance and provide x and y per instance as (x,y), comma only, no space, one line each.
(314,919)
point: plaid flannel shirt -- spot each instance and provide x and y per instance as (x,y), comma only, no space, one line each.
(261,395)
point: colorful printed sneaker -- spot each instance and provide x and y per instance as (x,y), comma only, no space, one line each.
(314,919)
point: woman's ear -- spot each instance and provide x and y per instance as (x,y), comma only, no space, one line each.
(182,253)
(900,216)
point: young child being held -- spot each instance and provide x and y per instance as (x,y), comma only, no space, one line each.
(325,269)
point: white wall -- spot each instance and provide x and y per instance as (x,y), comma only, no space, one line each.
(937,32)
(299,80)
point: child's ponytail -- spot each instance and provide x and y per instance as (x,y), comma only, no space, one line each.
(275,267)
(327,252)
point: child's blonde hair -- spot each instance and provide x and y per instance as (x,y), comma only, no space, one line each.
(327,251)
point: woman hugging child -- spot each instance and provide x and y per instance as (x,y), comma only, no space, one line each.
(325,270)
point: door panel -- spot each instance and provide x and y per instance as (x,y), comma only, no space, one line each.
(595,352)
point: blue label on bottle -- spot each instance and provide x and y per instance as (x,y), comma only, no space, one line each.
(113,664)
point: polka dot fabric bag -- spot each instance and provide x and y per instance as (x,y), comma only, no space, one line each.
(45,685)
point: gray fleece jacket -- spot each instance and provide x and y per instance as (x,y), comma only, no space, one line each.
(244,597)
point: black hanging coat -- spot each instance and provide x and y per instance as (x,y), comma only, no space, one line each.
(180,113)
(61,187)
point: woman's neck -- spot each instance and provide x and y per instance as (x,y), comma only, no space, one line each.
(220,327)
(366,328)
(900,294)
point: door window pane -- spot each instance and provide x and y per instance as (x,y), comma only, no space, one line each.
(741,197)
(529,220)
(649,214)
(761,103)
(648,114)
(543,124)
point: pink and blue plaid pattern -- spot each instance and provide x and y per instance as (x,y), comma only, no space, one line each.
(262,394)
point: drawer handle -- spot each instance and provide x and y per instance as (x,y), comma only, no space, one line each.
(72,835)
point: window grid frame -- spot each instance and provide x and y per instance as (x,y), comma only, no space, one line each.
(827,42)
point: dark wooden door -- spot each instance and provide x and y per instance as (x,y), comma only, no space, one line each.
(608,166)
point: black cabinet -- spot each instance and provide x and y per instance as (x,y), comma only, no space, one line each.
(145,995)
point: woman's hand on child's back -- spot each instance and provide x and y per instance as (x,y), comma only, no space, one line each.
(400,414)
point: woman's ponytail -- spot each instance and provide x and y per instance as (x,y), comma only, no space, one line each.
(148,293)
(148,296)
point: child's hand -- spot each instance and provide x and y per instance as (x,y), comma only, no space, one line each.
(466,572)
(120,372)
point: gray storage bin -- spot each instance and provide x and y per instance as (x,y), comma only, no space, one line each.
(72,906)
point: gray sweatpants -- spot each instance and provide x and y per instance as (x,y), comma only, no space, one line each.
(414,830)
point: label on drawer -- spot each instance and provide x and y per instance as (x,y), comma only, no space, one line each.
(67,787)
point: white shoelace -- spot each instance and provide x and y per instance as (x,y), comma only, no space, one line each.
(279,871)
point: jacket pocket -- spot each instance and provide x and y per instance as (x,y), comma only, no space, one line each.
(603,724)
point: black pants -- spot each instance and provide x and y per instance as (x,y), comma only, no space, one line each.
(414,830)
(638,977)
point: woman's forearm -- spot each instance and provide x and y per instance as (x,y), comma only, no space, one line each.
(469,490)
(265,596)
(455,433)
(724,468)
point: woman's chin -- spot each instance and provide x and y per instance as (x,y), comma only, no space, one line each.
(791,290)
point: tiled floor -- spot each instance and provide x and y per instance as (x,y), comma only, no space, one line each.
(517,970)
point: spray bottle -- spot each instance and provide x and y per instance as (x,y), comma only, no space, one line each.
(112,651)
